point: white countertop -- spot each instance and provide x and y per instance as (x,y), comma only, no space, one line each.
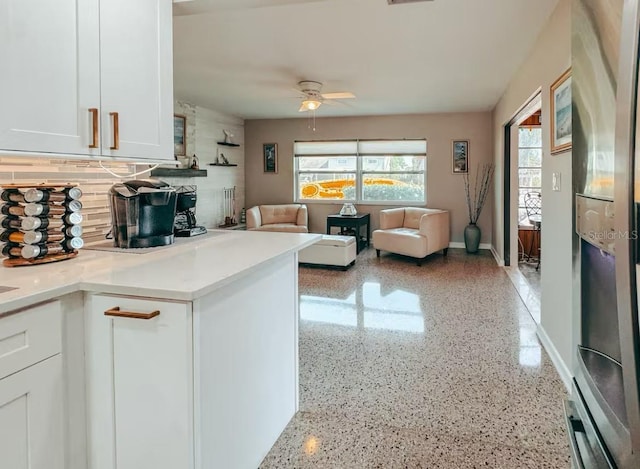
(182,272)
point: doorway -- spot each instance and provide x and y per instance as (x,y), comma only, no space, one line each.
(529,219)
(523,202)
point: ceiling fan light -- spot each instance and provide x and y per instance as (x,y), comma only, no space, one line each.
(311,104)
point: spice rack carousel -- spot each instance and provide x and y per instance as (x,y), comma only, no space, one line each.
(41,223)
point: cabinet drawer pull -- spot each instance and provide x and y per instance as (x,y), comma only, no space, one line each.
(130,314)
(116,131)
(94,127)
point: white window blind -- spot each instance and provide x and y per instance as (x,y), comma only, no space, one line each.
(344,147)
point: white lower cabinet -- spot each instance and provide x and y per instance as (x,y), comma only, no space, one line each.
(208,384)
(31,417)
(139,383)
(31,389)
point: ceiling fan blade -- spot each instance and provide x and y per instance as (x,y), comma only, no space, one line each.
(335,102)
(341,95)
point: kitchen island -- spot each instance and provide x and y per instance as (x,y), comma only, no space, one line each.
(189,355)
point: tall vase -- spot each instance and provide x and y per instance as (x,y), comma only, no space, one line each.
(472,238)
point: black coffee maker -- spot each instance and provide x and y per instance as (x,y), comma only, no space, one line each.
(142,213)
(185,223)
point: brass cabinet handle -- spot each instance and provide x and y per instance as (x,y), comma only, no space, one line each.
(116,311)
(94,127)
(116,131)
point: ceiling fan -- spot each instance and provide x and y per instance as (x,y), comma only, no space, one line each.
(313,98)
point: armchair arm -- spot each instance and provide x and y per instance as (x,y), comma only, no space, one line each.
(254,219)
(303,216)
(435,227)
(391,218)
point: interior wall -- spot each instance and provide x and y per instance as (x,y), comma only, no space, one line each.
(445,190)
(549,58)
(205,128)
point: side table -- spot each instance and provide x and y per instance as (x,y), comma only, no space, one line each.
(354,224)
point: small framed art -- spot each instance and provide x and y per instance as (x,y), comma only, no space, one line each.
(460,156)
(270,155)
(561,129)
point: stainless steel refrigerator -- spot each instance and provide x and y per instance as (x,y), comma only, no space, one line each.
(603,415)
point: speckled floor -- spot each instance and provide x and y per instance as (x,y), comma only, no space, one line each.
(532,275)
(436,366)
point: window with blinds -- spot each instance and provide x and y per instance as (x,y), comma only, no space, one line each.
(361,171)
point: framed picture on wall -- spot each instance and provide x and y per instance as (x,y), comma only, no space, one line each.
(270,156)
(460,156)
(179,135)
(561,132)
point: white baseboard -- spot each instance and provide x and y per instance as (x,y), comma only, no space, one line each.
(558,362)
(459,245)
(496,256)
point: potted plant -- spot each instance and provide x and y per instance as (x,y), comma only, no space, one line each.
(476,197)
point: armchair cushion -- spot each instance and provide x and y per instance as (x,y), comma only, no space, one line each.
(286,217)
(283,227)
(391,218)
(413,216)
(405,241)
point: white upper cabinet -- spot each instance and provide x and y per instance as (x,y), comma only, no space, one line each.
(49,79)
(87,77)
(136,53)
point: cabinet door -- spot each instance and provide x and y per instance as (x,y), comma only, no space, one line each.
(31,417)
(136,53)
(30,336)
(49,53)
(139,385)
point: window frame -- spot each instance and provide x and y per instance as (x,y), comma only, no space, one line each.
(360,173)
(529,188)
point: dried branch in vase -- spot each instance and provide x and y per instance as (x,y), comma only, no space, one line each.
(477,196)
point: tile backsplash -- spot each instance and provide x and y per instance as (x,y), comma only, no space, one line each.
(88,175)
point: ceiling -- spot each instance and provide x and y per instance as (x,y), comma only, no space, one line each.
(244,57)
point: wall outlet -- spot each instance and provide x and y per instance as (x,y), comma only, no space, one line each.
(556,182)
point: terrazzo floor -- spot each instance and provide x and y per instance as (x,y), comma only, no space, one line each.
(436,366)
(532,275)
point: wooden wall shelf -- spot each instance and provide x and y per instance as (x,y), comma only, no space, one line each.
(225,144)
(220,164)
(179,173)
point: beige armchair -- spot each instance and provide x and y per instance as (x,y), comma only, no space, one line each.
(414,232)
(292,218)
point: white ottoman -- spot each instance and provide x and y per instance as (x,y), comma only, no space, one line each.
(330,250)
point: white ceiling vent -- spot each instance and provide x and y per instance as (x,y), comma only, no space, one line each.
(398,2)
